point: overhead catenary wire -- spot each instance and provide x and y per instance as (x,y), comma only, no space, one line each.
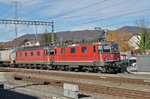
(120,15)
(32,11)
(5,11)
(10,14)
(116,4)
(76,10)
(133,21)
(72,5)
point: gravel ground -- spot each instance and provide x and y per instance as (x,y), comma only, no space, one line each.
(26,90)
(47,92)
(30,91)
(33,91)
(98,82)
(125,75)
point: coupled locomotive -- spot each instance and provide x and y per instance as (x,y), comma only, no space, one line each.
(97,57)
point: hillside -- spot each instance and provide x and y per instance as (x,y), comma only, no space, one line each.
(68,35)
(129,29)
(78,36)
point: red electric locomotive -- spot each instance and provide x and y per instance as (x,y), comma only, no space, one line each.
(98,57)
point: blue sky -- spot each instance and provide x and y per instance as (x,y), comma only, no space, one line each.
(70,15)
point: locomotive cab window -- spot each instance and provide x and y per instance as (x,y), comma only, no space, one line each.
(106,48)
(38,53)
(115,48)
(84,49)
(72,50)
(31,53)
(62,51)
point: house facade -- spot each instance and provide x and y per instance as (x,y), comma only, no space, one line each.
(133,41)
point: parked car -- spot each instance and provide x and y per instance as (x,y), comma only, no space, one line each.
(133,64)
(129,62)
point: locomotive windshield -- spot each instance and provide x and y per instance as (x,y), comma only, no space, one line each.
(115,48)
(104,48)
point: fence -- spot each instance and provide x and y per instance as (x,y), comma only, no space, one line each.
(143,63)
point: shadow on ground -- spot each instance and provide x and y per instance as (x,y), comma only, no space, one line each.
(83,96)
(8,94)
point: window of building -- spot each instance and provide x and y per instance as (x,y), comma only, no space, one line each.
(72,50)
(94,48)
(20,54)
(84,49)
(63,51)
(31,53)
(26,54)
(55,51)
(38,53)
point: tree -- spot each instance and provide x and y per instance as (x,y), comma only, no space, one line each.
(121,39)
(47,37)
(2,46)
(144,39)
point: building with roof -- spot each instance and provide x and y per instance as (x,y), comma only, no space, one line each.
(133,41)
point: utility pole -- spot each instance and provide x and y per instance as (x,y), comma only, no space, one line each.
(144,31)
(36,30)
(52,36)
(16,15)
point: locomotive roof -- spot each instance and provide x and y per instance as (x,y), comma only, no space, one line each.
(82,44)
(32,48)
(59,46)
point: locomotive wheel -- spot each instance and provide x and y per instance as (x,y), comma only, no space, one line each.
(69,69)
(50,67)
(110,70)
(87,69)
(102,70)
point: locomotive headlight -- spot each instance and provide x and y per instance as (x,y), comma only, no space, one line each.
(105,59)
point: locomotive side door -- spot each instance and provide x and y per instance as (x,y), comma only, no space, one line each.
(51,58)
(94,53)
(44,56)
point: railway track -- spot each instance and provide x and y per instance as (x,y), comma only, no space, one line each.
(88,87)
(81,76)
